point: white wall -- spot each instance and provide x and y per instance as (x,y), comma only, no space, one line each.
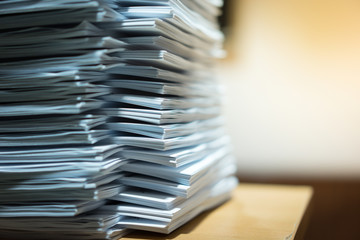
(293,87)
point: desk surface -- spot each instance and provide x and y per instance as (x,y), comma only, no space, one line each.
(255,212)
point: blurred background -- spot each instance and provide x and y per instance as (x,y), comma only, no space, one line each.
(292,79)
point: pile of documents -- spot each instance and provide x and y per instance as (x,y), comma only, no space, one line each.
(57,159)
(110,117)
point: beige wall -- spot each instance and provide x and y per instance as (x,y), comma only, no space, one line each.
(293,87)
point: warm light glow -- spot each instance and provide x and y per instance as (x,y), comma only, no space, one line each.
(293,83)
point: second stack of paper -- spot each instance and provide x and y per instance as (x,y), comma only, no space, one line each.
(165,110)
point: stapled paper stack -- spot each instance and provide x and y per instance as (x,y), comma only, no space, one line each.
(110,117)
(58,165)
(165,106)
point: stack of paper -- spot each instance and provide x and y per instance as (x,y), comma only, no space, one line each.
(165,109)
(57,159)
(110,117)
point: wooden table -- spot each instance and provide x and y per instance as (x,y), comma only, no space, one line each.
(255,212)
